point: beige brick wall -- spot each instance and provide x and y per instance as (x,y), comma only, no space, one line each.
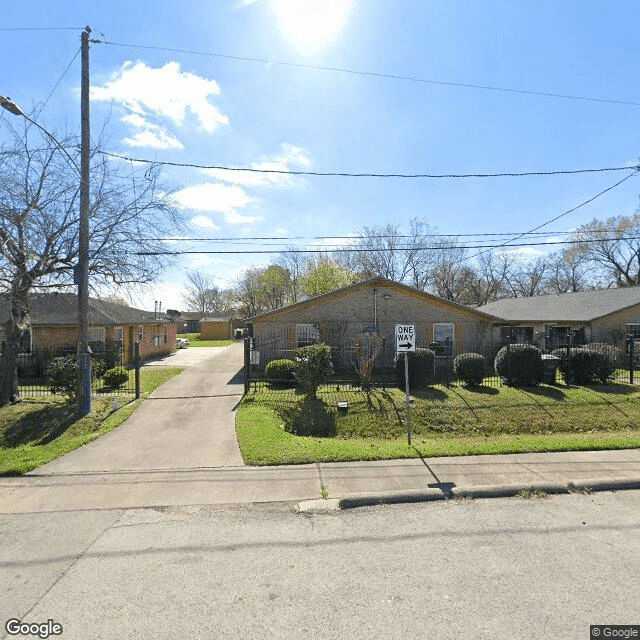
(215,330)
(360,308)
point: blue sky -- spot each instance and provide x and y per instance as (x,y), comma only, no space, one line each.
(205,109)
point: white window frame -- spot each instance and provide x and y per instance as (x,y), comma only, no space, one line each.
(305,332)
(140,333)
(118,334)
(452,337)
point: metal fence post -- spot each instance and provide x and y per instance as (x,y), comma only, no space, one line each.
(247,379)
(631,357)
(568,376)
(136,363)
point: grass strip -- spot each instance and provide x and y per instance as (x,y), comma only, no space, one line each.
(446,422)
(35,432)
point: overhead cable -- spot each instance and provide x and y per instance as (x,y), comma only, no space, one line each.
(346,174)
(375,74)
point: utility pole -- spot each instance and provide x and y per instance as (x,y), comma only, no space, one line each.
(84,353)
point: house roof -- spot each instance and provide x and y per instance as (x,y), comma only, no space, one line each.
(61,309)
(580,306)
(310,302)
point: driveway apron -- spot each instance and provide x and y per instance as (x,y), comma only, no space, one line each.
(187,423)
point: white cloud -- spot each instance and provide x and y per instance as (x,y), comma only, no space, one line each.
(204,222)
(153,138)
(165,92)
(213,196)
(236,218)
(282,162)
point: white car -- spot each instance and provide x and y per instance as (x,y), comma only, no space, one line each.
(182,343)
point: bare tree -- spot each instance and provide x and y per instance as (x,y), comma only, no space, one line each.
(530,279)
(568,271)
(202,295)
(130,211)
(612,248)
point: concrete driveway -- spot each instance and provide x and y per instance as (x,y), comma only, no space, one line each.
(187,423)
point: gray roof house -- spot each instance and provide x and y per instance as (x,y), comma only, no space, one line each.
(599,315)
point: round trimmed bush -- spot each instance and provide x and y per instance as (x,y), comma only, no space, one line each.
(470,368)
(420,367)
(281,372)
(62,374)
(520,365)
(115,377)
(595,362)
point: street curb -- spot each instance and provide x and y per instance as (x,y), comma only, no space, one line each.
(470,491)
(507,490)
(391,497)
(605,484)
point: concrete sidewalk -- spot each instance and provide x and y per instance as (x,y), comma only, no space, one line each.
(346,484)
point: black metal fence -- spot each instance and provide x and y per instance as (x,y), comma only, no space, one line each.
(627,364)
(34,379)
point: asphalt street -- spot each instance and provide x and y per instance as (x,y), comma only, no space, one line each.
(506,568)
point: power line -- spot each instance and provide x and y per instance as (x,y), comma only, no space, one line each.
(376,74)
(345,174)
(41,28)
(582,204)
(64,73)
(355,237)
(371,250)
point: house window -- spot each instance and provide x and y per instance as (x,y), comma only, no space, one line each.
(117,334)
(520,335)
(165,336)
(306,334)
(634,330)
(441,332)
(96,334)
(24,345)
(140,337)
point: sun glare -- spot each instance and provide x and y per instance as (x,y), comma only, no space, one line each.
(311,23)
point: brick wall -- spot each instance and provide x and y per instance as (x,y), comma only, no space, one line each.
(342,315)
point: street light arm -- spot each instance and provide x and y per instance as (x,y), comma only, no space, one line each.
(12,107)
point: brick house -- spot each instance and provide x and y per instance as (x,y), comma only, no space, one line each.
(219,327)
(53,323)
(375,305)
(601,315)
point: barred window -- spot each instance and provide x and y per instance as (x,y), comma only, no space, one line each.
(306,334)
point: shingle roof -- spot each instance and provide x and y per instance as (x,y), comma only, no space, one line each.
(62,309)
(310,302)
(581,306)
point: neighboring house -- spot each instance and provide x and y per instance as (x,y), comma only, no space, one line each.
(375,305)
(189,322)
(601,315)
(219,327)
(54,318)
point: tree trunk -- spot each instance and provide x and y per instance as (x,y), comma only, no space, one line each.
(13,327)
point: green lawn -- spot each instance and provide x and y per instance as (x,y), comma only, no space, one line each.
(446,422)
(194,340)
(37,431)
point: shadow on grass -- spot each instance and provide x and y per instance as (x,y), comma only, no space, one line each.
(482,389)
(40,427)
(612,387)
(310,417)
(548,391)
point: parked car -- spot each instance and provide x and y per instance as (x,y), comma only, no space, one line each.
(182,343)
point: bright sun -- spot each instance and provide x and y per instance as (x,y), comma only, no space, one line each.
(311,23)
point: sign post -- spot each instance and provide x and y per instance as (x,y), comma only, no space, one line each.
(406,341)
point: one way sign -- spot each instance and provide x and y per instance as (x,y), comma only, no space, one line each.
(405,337)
